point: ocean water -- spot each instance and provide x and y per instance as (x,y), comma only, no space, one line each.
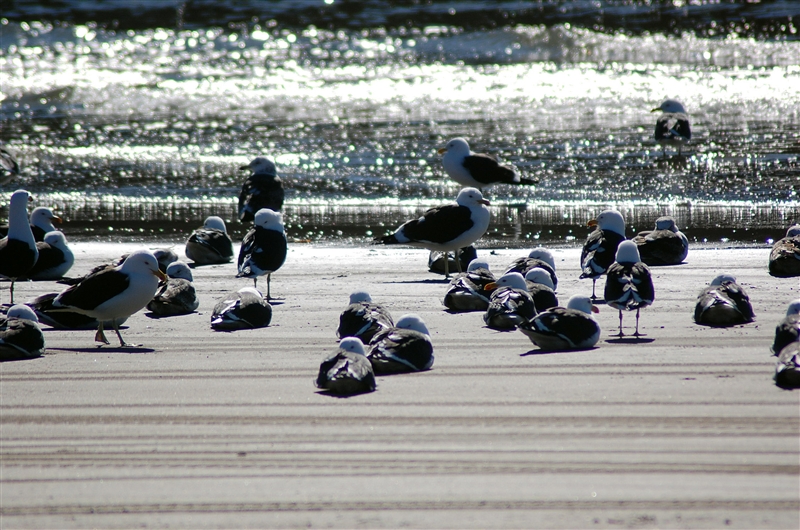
(132,118)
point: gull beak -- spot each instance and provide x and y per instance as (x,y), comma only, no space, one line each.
(595,309)
(657,109)
(242,168)
(57,219)
(592,223)
(160,275)
(484,201)
(442,151)
(489,287)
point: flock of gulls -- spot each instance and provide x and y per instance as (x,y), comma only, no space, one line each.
(522,298)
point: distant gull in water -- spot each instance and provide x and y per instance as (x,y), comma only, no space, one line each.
(18,252)
(262,189)
(665,245)
(363,318)
(177,296)
(447,227)
(570,328)
(347,371)
(601,245)
(477,170)
(629,285)
(243,309)
(20,335)
(9,167)
(723,303)
(264,248)
(784,258)
(210,244)
(672,127)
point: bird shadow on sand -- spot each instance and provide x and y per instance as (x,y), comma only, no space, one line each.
(548,352)
(629,339)
(341,396)
(443,281)
(157,316)
(104,349)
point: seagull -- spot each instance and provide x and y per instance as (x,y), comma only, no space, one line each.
(55,258)
(787,369)
(20,336)
(9,167)
(210,244)
(363,318)
(468,292)
(672,127)
(42,305)
(601,245)
(347,371)
(538,258)
(263,249)
(784,259)
(665,245)
(570,328)
(18,252)
(540,285)
(262,189)
(244,309)
(723,303)
(41,222)
(788,330)
(477,170)
(510,304)
(447,227)
(404,348)
(114,293)
(629,285)
(177,296)
(437,258)
(164,256)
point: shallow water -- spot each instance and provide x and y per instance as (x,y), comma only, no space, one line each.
(134,126)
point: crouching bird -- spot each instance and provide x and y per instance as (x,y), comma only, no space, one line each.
(347,371)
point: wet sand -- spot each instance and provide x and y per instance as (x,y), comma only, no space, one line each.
(196,428)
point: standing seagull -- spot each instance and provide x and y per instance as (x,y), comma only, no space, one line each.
(405,348)
(20,336)
(666,245)
(477,170)
(784,258)
(262,189)
(570,328)
(55,258)
(347,371)
(363,318)
(210,244)
(629,285)
(723,303)
(672,127)
(18,252)
(9,168)
(448,227)
(263,248)
(601,245)
(114,293)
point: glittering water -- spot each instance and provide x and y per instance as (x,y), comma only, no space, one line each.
(134,120)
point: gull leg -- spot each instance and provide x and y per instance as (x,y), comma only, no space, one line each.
(100,336)
(636,333)
(446,265)
(255,282)
(11,290)
(458,260)
(122,343)
(621,334)
(269,275)
(594,283)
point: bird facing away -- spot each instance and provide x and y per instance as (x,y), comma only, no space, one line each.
(9,167)
(243,309)
(784,258)
(55,258)
(665,245)
(20,336)
(672,126)
(263,249)
(510,304)
(628,283)
(177,296)
(560,329)
(787,369)
(262,189)
(114,293)
(538,258)
(788,330)
(18,252)
(210,244)
(467,292)
(363,318)
(477,170)
(404,348)
(723,303)
(540,285)
(347,371)
(601,245)
(447,227)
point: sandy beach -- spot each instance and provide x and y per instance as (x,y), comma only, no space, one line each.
(196,428)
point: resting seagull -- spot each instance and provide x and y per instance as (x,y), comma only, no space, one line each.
(510,304)
(468,292)
(538,258)
(20,336)
(363,318)
(405,348)
(788,330)
(540,285)
(347,371)
(244,309)
(477,170)
(55,258)
(18,252)
(210,244)
(262,189)
(665,245)
(570,328)
(114,293)
(177,296)
(787,369)
(601,245)
(629,285)
(784,258)
(723,303)
(263,249)
(447,227)
(672,127)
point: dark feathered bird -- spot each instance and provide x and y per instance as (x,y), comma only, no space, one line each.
(787,369)
(628,283)
(210,244)
(263,249)
(723,303)
(18,252)
(436,259)
(9,167)
(510,304)
(347,371)
(477,170)
(665,245)
(404,348)
(363,318)
(672,126)
(177,296)
(540,286)
(243,309)
(788,330)
(20,336)
(784,258)
(601,245)
(538,258)
(559,328)
(55,258)
(262,189)
(467,292)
